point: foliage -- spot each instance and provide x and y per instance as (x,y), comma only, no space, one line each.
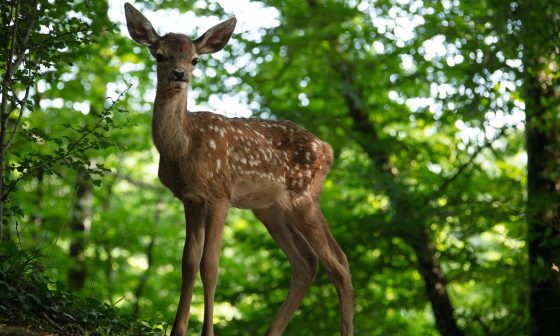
(41,44)
(423,101)
(417,142)
(37,302)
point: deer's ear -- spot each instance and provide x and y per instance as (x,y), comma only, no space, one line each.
(216,38)
(139,28)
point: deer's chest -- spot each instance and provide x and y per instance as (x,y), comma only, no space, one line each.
(182,179)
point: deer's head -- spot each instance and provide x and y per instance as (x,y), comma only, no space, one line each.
(176,54)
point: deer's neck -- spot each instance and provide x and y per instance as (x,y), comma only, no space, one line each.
(169,123)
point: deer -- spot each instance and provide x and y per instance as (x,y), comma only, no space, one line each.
(212,163)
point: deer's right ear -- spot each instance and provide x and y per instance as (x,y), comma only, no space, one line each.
(139,28)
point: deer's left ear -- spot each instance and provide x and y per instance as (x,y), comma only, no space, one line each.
(216,38)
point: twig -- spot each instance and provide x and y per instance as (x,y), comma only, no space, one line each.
(21,53)
(466,164)
(46,316)
(9,60)
(136,182)
(65,221)
(66,154)
(18,236)
(21,103)
(54,37)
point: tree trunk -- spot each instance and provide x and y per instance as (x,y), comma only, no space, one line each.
(109,273)
(80,224)
(428,263)
(107,244)
(3,133)
(543,208)
(37,215)
(540,52)
(436,285)
(150,259)
(144,279)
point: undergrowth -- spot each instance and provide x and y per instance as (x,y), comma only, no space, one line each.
(30,299)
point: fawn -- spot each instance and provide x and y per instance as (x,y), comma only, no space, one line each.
(211,163)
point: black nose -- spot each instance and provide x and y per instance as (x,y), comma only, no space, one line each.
(178,75)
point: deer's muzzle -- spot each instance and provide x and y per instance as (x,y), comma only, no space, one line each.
(178,75)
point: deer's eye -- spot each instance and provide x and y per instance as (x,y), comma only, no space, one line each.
(194,61)
(159,57)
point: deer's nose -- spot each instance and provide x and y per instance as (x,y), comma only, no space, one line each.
(178,75)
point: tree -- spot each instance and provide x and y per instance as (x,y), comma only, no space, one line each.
(540,33)
(366,94)
(41,41)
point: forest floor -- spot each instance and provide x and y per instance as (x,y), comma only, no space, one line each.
(7,330)
(30,300)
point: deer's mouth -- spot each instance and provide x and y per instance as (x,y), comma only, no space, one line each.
(178,84)
(175,79)
(172,79)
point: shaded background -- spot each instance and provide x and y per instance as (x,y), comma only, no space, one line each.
(444,193)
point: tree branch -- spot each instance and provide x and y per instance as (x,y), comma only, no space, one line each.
(21,104)
(137,183)
(8,75)
(487,144)
(68,33)
(24,42)
(9,59)
(12,67)
(71,149)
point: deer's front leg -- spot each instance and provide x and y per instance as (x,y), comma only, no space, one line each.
(215,218)
(192,254)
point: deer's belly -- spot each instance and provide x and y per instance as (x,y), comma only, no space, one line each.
(256,194)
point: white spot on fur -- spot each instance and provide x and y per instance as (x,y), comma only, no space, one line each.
(218,165)
(212,144)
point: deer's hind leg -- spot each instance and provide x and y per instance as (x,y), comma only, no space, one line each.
(302,259)
(309,220)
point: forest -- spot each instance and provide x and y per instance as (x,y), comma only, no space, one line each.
(443,115)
